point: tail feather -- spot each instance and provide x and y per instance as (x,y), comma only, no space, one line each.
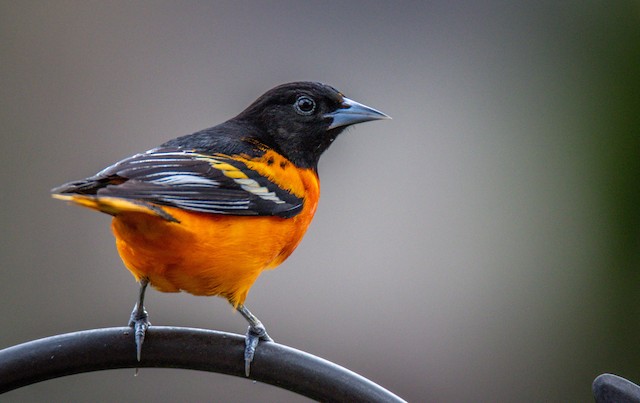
(89,186)
(113,205)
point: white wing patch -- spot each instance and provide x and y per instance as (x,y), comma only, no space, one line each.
(254,187)
(182,179)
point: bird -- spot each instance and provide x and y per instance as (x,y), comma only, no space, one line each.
(207,212)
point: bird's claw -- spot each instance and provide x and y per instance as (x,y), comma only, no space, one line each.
(139,321)
(252,338)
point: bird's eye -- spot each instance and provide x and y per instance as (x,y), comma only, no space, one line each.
(305,105)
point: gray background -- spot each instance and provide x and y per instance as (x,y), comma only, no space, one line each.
(481,246)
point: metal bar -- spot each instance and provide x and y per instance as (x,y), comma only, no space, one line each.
(609,388)
(186,348)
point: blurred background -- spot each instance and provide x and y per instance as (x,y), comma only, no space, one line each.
(481,246)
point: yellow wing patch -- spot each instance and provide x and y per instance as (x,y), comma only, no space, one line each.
(227,169)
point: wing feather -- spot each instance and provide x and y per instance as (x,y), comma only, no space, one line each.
(191,181)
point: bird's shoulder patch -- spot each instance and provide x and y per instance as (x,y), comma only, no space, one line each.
(277,169)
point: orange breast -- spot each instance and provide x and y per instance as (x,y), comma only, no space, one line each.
(210,254)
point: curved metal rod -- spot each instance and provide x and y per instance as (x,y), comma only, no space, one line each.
(187,348)
(609,388)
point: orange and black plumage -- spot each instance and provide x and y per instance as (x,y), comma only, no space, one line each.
(206,213)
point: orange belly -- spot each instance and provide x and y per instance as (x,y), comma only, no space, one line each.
(209,254)
(205,254)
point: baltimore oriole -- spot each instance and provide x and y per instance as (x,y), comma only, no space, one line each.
(206,213)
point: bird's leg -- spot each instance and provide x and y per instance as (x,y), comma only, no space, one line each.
(139,320)
(255,332)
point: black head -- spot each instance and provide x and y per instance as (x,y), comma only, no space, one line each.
(302,119)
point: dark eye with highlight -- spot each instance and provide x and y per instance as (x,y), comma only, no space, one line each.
(305,105)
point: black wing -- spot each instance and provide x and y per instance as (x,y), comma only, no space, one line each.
(191,181)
